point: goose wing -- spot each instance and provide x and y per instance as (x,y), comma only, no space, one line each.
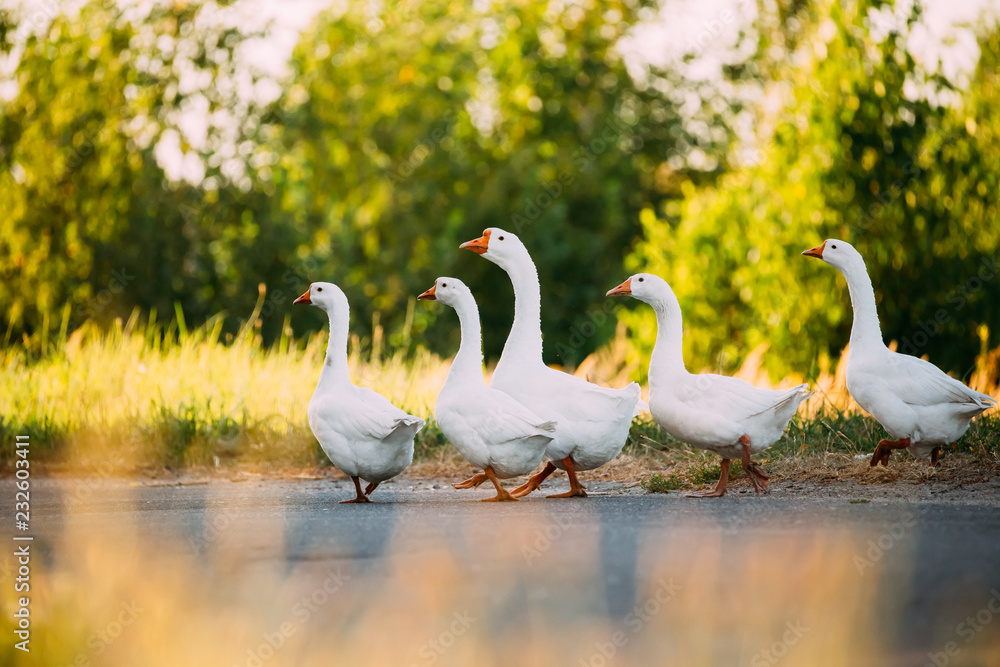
(920,383)
(736,399)
(368,416)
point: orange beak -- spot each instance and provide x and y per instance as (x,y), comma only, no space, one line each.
(625,289)
(429,294)
(304,298)
(480,245)
(815,252)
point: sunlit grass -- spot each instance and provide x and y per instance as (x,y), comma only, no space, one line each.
(148,395)
(154,396)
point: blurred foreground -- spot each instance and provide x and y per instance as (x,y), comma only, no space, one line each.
(275,573)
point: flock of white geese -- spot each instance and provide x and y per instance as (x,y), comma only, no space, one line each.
(530,411)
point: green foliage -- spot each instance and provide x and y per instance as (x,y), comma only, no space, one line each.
(408,128)
(430,443)
(913,186)
(88,219)
(404,131)
(427,123)
(708,473)
(657,483)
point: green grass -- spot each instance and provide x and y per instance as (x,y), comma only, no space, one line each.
(829,431)
(657,483)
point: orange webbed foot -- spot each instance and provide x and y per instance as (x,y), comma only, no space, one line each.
(720,487)
(471,483)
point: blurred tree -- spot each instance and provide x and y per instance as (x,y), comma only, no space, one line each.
(405,131)
(88,218)
(142,165)
(852,153)
(410,130)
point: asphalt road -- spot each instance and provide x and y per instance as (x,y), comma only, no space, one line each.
(918,569)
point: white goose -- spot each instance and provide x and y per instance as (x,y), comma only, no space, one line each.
(593,421)
(365,436)
(915,401)
(722,414)
(489,428)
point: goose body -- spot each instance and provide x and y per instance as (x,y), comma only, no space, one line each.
(490,429)
(713,411)
(592,421)
(721,414)
(366,437)
(917,403)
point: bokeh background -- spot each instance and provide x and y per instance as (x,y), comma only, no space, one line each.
(171,157)
(174,174)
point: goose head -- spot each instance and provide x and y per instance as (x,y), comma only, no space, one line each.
(500,247)
(646,287)
(837,253)
(449,291)
(327,296)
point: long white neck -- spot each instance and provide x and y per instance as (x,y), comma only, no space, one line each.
(865,331)
(667,360)
(335,365)
(468,364)
(524,343)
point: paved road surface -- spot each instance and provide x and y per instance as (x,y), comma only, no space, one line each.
(916,570)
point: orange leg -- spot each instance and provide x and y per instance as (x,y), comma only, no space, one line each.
(502,494)
(575,488)
(884,450)
(720,488)
(371,487)
(935,457)
(473,482)
(361,497)
(756,474)
(534,481)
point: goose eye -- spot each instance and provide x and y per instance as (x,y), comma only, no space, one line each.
(641,279)
(319,289)
(444,284)
(833,247)
(500,238)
